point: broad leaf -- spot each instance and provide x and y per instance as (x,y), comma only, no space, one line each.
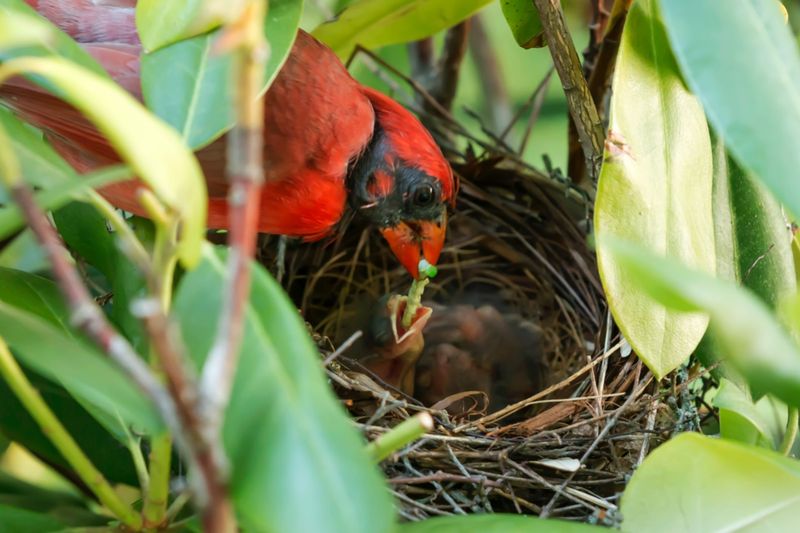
(288,439)
(76,365)
(154,151)
(762,423)
(197,97)
(23,253)
(750,336)
(496,523)
(744,65)
(694,483)
(655,187)
(14,519)
(161,23)
(523,19)
(376,23)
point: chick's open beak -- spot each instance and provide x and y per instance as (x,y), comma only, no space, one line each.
(411,241)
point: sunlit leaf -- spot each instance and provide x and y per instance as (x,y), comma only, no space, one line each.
(698,484)
(154,151)
(758,114)
(524,22)
(749,334)
(655,187)
(161,23)
(496,523)
(376,23)
(189,85)
(287,436)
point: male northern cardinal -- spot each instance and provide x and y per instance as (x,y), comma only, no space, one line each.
(330,144)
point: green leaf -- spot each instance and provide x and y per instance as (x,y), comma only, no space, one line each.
(695,483)
(762,423)
(496,523)
(288,439)
(34,294)
(376,23)
(523,19)
(33,35)
(154,151)
(75,364)
(654,188)
(23,253)
(197,98)
(744,66)
(13,519)
(161,23)
(751,337)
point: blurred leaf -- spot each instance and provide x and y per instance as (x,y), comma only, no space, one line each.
(376,23)
(696,483)
(286,434)
(523,19)
(762,423)
(654,188)
(23,253)
(197,98)
(154,151)
(105,451)
(744,66)
(161,23)
(78,366)
(34,35)
(749,333)
(496,523)
(13,519)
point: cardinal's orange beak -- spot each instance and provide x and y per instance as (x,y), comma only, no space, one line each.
(412,241)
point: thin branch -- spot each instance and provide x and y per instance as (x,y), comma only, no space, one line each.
(491,76)
(600,77)
(579,100)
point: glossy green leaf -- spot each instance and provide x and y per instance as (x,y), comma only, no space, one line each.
(524,22)
(741,419)
(749,334)
(700,484)
(13,519)
(496,523)
(744,65)
(196,98)
(33,35)
(288,439)
(376,23)
(76,365)
(655,187)
(154,151)
(161,23)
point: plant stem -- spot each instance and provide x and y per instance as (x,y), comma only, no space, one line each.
(414,300)
(400,435)
(61,439)
(156,498)
(791,432)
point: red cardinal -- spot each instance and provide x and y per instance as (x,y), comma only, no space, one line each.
(330,144)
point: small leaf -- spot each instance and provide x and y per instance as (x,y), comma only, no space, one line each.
(655,187)
(744,66)
(762,423)
(696,483)
(84,372)
(376,23)
(750,336)
(154,151)
(197,98)
(523,19)
(286,434)
(161,23)
(496,523)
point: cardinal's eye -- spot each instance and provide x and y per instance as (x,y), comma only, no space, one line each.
(423,196)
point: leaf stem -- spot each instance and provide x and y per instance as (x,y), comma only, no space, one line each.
(408,431)
(791,432)
(63,441)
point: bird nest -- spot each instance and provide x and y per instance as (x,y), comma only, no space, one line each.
(562,447)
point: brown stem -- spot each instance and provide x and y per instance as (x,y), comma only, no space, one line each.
(491,77)
(579,100)
(600,77)
(441,79)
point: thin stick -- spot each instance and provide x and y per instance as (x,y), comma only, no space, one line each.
(568,65)
(405,432)
(63,441)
